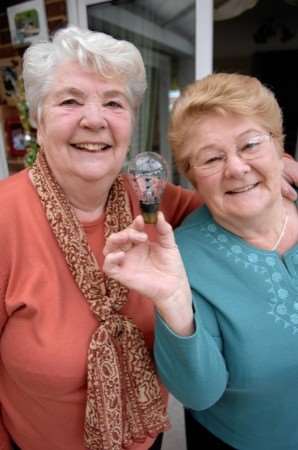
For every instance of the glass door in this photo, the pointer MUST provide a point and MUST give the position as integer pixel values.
(164, 32)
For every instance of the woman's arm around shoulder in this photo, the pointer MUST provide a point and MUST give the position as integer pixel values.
(177, 202)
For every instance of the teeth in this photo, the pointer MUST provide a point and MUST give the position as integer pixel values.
(244, 189)
(92, 147)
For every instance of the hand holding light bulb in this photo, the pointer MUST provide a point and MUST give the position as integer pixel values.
(148, 173)
(153, 268)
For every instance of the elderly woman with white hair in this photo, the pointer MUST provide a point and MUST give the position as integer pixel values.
(76, 370)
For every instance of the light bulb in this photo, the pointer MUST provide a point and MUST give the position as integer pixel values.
(148, 173)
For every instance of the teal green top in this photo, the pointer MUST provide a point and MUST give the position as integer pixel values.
(238, 372)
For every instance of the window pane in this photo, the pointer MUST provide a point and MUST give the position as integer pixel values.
(164, 33)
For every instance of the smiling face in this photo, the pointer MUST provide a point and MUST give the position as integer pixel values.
(85, 127)
(241, 190)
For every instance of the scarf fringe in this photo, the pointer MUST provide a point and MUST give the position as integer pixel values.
(141, 411)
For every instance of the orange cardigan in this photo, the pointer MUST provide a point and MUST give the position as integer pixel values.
(46, 323)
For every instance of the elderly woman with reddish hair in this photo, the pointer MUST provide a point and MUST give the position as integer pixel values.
(227, 332)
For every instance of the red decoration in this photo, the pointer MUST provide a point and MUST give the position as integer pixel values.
(15, 137)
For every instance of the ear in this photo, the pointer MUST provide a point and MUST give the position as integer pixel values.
(38, 136)
(40, 132)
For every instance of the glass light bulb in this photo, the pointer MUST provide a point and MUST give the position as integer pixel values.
(148, 173)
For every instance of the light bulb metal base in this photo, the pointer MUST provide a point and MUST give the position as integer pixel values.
(149, 212)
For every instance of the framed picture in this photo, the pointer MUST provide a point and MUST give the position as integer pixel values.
(15, 137)
(28, 22)
(10, 70)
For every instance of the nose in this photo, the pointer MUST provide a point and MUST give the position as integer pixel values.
(236, 167)
(93, 116)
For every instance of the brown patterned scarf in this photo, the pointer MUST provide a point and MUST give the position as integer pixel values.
(124, 404)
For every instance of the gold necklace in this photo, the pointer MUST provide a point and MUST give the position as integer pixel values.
(281, 235)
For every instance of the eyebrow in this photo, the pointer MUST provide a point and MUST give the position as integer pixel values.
(209, 147)
(114, 93)
(214, 146)
(250, 130)
(78, 92)
(69, 91)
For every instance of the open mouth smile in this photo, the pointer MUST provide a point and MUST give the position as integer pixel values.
(243, 189)
(91, 148)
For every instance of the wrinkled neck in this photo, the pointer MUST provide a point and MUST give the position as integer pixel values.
(264, 231)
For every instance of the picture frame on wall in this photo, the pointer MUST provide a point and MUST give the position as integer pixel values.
(28, 22)
(10, 71)
(15, 137)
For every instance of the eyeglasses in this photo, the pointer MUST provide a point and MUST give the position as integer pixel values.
(212, 160)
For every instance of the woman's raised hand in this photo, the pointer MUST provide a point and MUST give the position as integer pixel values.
(152, 268)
